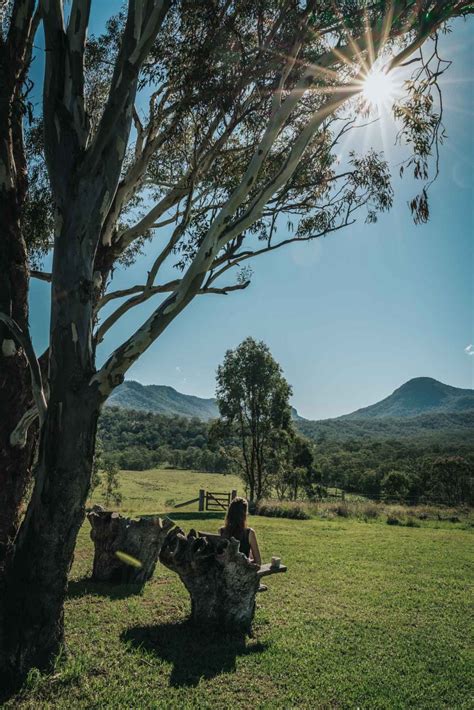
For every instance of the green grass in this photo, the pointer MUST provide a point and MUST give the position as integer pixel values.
(368, 616)
(158, 490)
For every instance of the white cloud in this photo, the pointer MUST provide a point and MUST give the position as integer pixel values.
(469, 350)
(177, 368)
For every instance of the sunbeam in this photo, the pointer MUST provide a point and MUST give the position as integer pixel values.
(379, 89)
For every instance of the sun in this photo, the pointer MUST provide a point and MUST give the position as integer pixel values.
(379, 89)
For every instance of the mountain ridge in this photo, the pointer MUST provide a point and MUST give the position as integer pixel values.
(164, 399)
(418, 396)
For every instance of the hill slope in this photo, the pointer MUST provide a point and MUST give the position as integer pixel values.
(421, 407)
(161, 399)
(422, 395)
(442, 428)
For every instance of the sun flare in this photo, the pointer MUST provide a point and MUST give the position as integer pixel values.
(379, 89)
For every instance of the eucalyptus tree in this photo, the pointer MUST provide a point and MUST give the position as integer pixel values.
(253, 400)
(211, 129)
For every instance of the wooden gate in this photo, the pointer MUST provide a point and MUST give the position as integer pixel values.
(217, 501)
(210, 501)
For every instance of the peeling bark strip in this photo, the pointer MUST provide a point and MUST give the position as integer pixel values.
(24, 341)
(221, 581)
(141, 539)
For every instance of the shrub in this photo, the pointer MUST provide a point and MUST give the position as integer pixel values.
(295, 512)
(342, 510)
(393, 520)
(412, 523)
(370, 512)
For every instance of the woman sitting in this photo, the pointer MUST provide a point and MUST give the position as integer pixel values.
(236, 526)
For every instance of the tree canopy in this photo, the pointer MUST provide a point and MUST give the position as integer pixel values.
(253, 400)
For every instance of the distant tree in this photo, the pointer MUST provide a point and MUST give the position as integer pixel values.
(110, 483)
(253, 400)
(451, 480)
(297, 472)
(396, 484)
(96, 466)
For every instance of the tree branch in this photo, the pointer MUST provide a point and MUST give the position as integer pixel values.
(41, 275)
(19, 39)
(143, 22)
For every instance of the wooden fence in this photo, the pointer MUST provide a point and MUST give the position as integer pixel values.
(210, 501)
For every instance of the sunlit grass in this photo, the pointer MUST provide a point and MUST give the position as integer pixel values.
(368, 615)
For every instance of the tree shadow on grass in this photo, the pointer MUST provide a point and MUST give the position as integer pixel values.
(194, 653)
(218, 515)
(86, 586)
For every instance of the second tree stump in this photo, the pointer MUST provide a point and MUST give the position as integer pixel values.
(139, 539)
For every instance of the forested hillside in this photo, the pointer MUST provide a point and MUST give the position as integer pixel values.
(141, 440)
(420, 395)
(447, 428)
(376, 460)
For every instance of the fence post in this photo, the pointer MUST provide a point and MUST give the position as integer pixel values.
(202, 495)
(233, 494)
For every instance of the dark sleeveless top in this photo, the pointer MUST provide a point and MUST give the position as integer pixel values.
(244, 540)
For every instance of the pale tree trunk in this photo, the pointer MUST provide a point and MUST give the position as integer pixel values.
(35, 577)
(36, 574)
(84, 175)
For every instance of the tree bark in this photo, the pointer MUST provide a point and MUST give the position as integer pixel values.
(15, 462)
(36, 572)
(140, 539)
(221, 581)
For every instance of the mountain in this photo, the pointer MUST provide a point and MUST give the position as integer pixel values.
(422, 408)
(161, 399)
(421, 395)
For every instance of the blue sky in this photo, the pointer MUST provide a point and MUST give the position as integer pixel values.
(350, 317)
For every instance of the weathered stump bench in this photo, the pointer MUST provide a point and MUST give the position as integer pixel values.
(221, 581)
(139, 539)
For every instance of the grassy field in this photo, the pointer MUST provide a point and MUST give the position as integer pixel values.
(368, 616)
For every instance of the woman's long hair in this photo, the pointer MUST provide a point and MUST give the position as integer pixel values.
(236, 518)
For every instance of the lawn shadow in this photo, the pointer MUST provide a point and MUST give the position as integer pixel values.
(86, 586)
(192, 515)
(194, 653)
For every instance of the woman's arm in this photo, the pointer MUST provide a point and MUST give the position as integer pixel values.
(254, 551)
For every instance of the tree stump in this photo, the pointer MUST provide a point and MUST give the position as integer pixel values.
(221, 581)
(140, 539)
